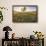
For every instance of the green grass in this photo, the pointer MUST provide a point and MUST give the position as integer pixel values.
(24, 17)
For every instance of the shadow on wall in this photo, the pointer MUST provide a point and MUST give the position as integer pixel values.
(1, 37)
(45, 42)
(0, 42)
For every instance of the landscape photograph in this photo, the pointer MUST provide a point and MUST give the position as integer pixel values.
(24, 13)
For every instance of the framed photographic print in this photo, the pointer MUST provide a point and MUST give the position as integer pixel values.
(24, 13)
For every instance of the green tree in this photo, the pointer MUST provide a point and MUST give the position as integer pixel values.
(23, 9)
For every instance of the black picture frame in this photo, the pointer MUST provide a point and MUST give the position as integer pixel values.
(25, 13)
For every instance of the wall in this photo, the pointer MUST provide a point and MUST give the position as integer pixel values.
(23, 29)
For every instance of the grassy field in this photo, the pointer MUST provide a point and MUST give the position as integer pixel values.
(24, 17)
